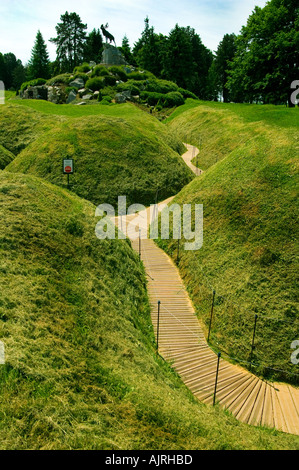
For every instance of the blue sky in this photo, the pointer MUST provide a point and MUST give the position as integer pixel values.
(21, 19)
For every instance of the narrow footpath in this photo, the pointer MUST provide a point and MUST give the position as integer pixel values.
(182, 343)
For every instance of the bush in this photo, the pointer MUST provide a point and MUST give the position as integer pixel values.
(160, 86)
(105, 102)
(63, 79)
(109, 80)
(95, 84)
(118, 72)
(140, 76)
(107, 98)
(35, 82)
(69, 89)
(174, 98)
(99, 71)
(187, 93)
(84, 68)
(128, 86)
(151, 98)
(109, 91)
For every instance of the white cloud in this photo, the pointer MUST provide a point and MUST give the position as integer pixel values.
(211, 19)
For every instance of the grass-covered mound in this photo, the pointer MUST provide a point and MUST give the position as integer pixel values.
(81, 370)
(20, 126)
(117, 151)
(104, 84)
(250, 254)
(5, 157)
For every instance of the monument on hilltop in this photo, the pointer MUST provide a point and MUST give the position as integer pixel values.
(111, 55)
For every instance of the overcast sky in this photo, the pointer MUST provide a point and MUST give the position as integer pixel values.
(21, 19)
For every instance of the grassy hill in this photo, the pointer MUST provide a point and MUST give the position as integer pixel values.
(81, 370)
(5, 157)
(249, 191)
(118, 150)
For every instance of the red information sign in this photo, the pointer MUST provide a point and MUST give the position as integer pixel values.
(68, 166)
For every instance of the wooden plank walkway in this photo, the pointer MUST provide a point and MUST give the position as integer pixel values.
(182, 342)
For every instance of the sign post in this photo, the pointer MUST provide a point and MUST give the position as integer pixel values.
(68, 169)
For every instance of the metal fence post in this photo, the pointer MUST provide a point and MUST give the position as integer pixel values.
(139, 243)
(216, 380)
(212, 310)
(158, 325)
(253, 338)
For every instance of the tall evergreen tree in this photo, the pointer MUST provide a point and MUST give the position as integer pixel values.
(125, 49)
(266, 60)
(93, 47)
(203, 59)
(70, 41)
(178, 62)
(12, 71)
(224, 55)
(39, 62)
(2, 68)
(187, 61)
(147, 50)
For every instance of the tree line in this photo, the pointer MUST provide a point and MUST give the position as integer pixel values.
(256, 66)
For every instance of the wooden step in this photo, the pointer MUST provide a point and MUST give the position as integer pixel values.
(182, 343)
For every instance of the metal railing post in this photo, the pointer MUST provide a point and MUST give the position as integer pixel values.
(216, 380)
(211, 317)
(158, 325)
(253, 338)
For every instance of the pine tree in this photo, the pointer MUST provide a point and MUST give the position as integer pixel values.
(93, 47)
(266, 59)
(147, 50)
(39, 62)
(70, 41)
(125, 49)
(224, 55)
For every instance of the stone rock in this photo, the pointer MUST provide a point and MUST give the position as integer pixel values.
(56, 95)
(87, 97)
(128, 70)
(72, 96)
(84, 91)
(127, 94)
(135, 98)
(36, 93)
(120, 98)
(77, 83)
(112, 56)
(81, 103)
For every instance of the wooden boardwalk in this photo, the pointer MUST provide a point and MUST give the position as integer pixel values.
(181, 342)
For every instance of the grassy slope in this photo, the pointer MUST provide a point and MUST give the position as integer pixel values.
(5, 157)
(250, 197)
(81, 371)
(113, 146)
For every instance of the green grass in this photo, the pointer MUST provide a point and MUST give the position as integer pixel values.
(5, 157)
(250, 254)
(81, 370)
(118, 150)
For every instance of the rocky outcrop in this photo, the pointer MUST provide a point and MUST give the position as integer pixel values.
(72, 96)
(112, 56)
(77, 83)
(54, 94)
(36, 93)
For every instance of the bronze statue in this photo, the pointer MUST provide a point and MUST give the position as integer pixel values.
(107, 34)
